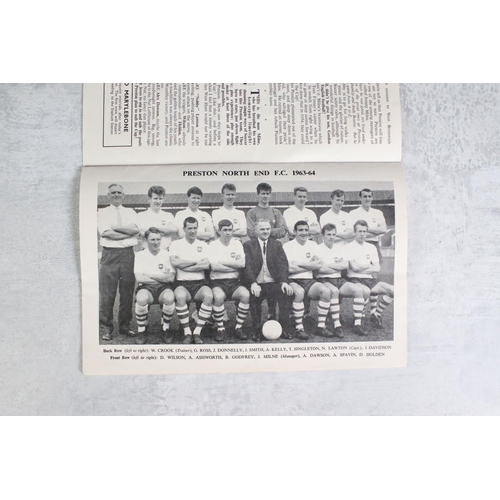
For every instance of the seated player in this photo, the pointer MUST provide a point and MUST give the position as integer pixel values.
(303, 261)
(189, 256)
(363, 262)
(155, 277)
(333, 263)
(227, 258)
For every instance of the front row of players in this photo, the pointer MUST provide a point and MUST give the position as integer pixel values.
(286, 275)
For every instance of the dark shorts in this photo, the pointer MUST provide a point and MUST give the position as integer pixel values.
(304, 283)
(336, 282)
(155, 290)
(369, 282)
(192, 287)
(227, 286)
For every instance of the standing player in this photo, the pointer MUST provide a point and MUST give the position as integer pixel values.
(263, 211)
(375, 218)
(189, 256)
(205, 226)
(227, 259)
(266, 276)
(303, 261)
(340, 219)
(237, 217)
(118, 229)
(154, 216)
(333, 263)
(300, 212)
(155, 276)
(363, 262)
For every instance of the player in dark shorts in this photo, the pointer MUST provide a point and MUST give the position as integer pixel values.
(303, 261)
(227, 259)
(189, 256)
(363, 262)
(333, 264)
(154, 275)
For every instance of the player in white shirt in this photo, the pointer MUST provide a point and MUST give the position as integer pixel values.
(334, 262)
(206, 230)
(375, 218)
(154, 216)
(300, 212)
(303, 261)
(155, 285)
(227, 258)
(228, 212)
(189, 256)
(363, 262)
(340, 219)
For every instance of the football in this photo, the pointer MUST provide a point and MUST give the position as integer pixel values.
(271, 330)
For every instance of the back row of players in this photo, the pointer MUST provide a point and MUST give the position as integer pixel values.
(172, 271)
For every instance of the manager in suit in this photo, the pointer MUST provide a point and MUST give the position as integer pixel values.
(266, 276)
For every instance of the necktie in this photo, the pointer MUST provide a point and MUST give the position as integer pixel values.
(264, 248)
(119, 217)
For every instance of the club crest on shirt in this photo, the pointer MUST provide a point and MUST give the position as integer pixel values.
(160, 266)
(233, 255)
(343, 222)
(163, 222)
(367, 256)
(235, 221)
(308, 255)
(203, 219)
(199, 249)
(374, 220)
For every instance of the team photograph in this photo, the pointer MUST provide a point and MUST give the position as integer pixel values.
(238, 261)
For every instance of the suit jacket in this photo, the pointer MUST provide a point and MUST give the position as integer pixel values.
(277, 262)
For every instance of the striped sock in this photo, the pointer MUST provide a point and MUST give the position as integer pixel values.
(298, 314)
(358, 306)
(373, 303)
(203, 315)
(323, 308)
(218, 314)
(141, 316)
(242, 313)
(385, 300)
(167, 313)
(183, 315)
(365, 304)
(335, 311)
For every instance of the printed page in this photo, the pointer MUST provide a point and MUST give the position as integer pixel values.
(174, 123)
(242, 267)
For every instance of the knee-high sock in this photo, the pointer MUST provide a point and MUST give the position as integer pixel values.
(298, 314)
(141, 316)
(218, 314)
(183, 315)
(358, 306)
(323, 308)
(335, 311)
(203, 314)
(385, 300)
(241, 314)
(373, 303)
(167, 312)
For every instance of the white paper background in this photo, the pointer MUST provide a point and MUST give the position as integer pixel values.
(451, 136)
